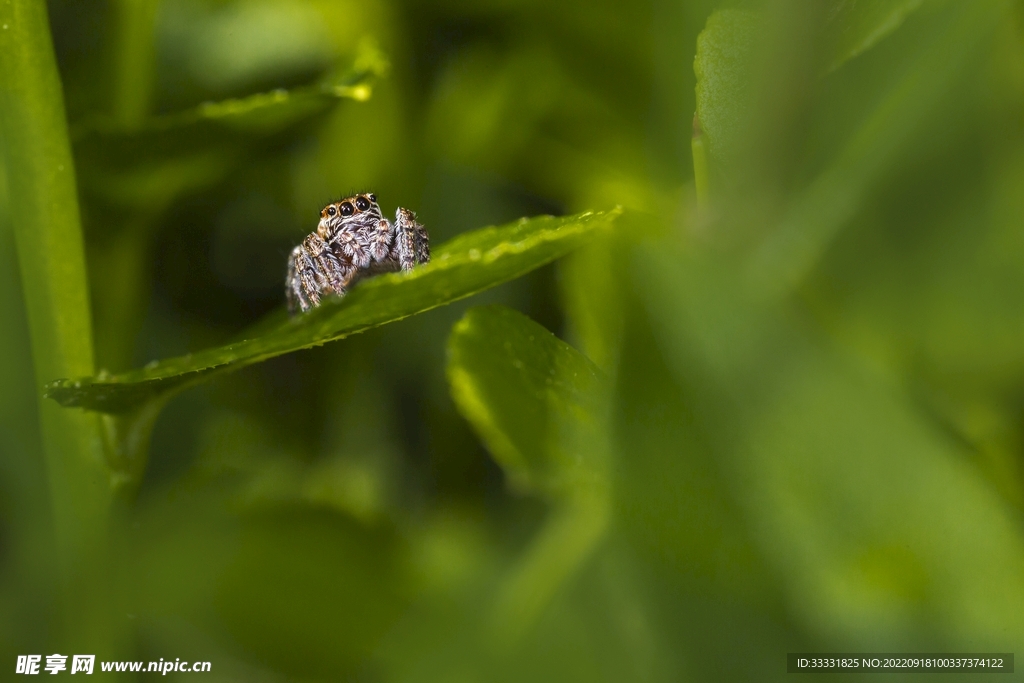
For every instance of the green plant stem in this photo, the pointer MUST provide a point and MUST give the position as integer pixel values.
(44, 211)
(123, 254)
(568, 538)
(133, 60)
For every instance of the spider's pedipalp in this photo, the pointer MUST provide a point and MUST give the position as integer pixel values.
(350, 248)
(380, 240)
(301, 285)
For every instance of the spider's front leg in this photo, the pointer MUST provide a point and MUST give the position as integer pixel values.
(411, 242)
(295, 283)
(313, 271)
(422, 245)
(380, 240)
(305, 281)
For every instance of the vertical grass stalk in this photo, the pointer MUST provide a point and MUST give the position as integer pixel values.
(44, 212)
(133, 60)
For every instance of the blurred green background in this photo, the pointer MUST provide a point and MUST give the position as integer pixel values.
(800, 425)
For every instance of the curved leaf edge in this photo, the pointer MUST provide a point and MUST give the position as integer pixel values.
(355, 83)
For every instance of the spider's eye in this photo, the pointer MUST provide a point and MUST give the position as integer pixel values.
(362, 204)
(331, 211)
(346, 209)
(373, 198)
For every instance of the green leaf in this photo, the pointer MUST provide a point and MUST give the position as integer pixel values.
(945, 49)
(540, 407)
(722, 66)
(464, 266)
(534, 400)
(151, 163)
(261, 113)
(676, 503)
(870, 512)
(725, 48)
(857, 25)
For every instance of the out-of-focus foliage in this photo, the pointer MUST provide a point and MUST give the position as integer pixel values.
(541, 408)
(785, 418)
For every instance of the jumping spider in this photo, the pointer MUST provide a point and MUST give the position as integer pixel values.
(353, 240)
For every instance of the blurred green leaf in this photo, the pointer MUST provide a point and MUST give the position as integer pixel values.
(260, 113)
(541, 408)
(875, 129)
(534, 400)
(678, 506)
(152, 163)
(722, 65)
(909, 534)
(726, 49)
(940, 53)
(865, 505)
(944, 312)
(332, 585)
(229, 46)
(468, 264)
(857, 25)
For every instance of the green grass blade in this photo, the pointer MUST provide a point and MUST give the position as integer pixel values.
(850, 489)
(943, 48)
(816, 215)
(466, 265)
(725, 49)
(43, 206)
